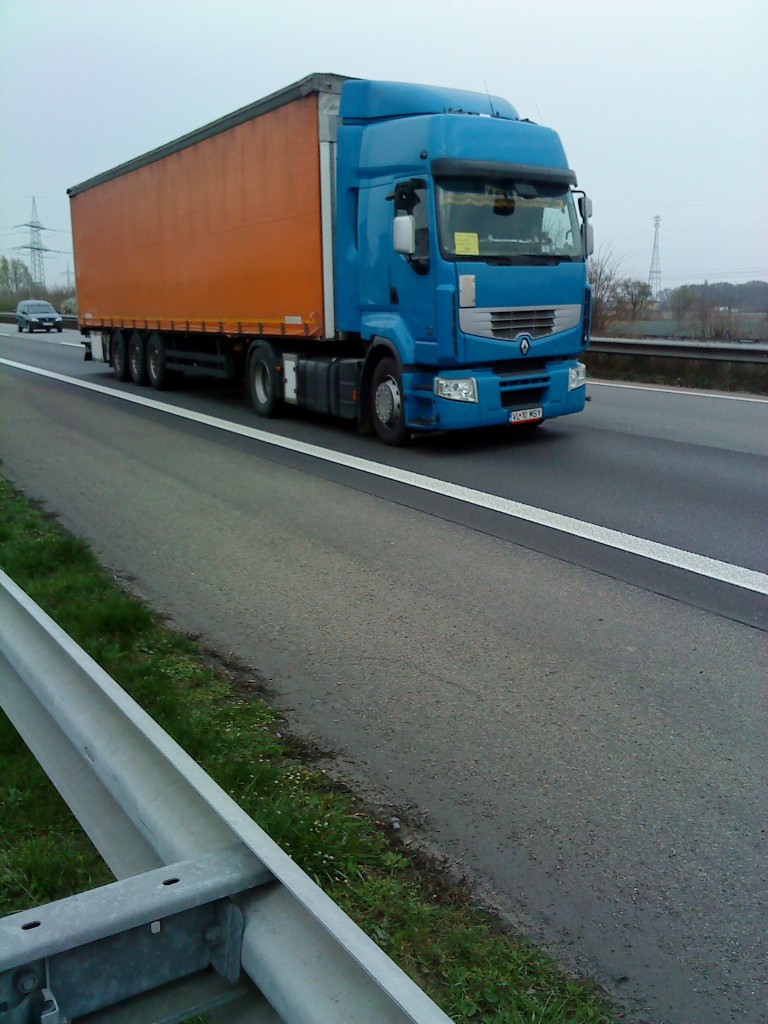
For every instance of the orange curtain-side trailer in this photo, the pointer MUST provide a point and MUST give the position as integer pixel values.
(221, 231)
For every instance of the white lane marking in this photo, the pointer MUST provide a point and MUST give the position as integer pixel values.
(46, 337)
(676, 391)
(738, 576)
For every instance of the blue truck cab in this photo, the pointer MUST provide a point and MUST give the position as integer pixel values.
(460, 259)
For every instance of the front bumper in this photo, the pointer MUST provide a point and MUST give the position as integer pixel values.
(42, 325)
(498, 395)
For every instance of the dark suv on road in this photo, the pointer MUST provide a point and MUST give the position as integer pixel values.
(36, 315)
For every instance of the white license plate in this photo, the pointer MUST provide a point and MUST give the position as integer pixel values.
(525, 415)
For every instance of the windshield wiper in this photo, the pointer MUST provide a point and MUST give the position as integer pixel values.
(548, 259)
(526, 259)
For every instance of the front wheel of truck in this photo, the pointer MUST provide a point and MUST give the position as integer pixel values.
(262, 382)
(387, 407)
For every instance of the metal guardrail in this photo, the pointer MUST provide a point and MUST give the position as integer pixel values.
(68, 321)
(202, 889)
(752, 352)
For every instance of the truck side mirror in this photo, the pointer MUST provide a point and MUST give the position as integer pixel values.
(404, 234)
(589, 239)
(585, 207)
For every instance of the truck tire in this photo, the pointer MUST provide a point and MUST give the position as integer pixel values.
(137, 359)
(119, 354)
(157, 370)
(387, 410)
(262, 382)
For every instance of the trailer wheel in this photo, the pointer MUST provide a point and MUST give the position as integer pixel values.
(262, 382)
(157, 370)
(120, 356)
(137, 359)
(387, 410)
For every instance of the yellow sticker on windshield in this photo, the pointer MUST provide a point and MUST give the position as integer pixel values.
(466, 243)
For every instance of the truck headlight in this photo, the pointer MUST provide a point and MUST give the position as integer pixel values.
(461, 389)
(577, 376)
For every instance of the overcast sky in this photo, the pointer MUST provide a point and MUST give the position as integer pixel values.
(662, 105)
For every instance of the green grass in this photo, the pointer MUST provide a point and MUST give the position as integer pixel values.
(720, 326)
(458, 953)
(685, 373)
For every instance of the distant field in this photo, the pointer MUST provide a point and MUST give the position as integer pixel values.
(722, 327)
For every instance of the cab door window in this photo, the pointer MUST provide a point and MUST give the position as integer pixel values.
(411, 197)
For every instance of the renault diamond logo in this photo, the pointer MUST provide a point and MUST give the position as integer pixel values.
(525, 344)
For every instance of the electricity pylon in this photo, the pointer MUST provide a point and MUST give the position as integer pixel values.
(36, 247)
(654, 277)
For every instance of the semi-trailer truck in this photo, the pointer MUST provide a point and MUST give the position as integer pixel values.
(409, 257)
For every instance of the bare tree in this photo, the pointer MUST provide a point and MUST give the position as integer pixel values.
(705, 309)
(15, 281)
(635, 293)
(682, 301)
(603, 274)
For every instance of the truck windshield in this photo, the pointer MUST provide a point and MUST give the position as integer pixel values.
(499, 221)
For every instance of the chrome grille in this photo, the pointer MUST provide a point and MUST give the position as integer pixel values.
(507, 324)
(511, 323)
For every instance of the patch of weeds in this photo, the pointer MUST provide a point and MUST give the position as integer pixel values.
(44, 855)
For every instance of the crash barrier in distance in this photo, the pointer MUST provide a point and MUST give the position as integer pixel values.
(755, 352)
(730, 365)
(752, 352)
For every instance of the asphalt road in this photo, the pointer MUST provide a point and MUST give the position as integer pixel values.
(577, 727)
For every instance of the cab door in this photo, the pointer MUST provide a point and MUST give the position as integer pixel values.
(412, 277)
